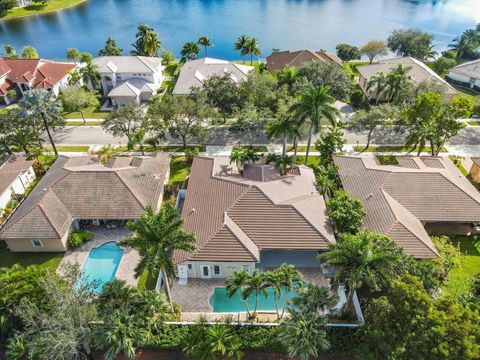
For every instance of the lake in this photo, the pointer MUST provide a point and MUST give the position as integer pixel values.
(284, 24)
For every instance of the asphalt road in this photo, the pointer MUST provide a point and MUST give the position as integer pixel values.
(94, 135)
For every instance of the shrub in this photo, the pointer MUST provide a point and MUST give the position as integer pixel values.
(79, 237)
(358, 99)
(190, 153)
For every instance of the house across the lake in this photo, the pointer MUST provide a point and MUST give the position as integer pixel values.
(281, 59)
(195, 72)
(466, 74)
(418, 71)
(16, 173)
(420, 196)
(259, 219)
(23, 3)
(20, 75)
(81, 191)
(129, 79)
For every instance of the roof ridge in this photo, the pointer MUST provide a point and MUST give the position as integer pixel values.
(300, 52)
(434, 250)
(46, 215)
(144, 62)
(129, 189)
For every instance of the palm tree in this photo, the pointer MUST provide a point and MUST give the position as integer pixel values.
(379, 83)
(253, 48)
(466, 43)
(29, 52)
(324, 183)
(285, 127)
(152, 44)
(239, 156)
(242, 44)
(274, 281)
(190, 50)
(312, 106)
(91, 75)
(397, 79)
(362, 260)
(314, 299)
(74, 77)
(238, 282)
(287, 76)
(73, 54)
(289, 278)
(40, 104)
(206, 42)
(25, 138)
(117, 295)
(256, 284)
(156, 237)
(10, 52)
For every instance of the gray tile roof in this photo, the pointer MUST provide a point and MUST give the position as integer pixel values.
(127, 64)
(279, 60)
(82, 188)
(419, 71)
(234, 218)
(132, 87)
(11, 169)
(470, 69)
(194, 73)
(398, 199)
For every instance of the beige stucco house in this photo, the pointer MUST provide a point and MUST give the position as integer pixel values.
(16, 174)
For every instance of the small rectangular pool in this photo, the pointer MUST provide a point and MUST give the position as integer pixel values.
(102, 264)
(221, 302)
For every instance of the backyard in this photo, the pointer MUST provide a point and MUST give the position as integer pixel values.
(37, 8)
(46, 260)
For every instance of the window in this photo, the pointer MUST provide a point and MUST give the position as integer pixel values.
(216, 269)
(37, 243)
(205, 271)
(189, 266)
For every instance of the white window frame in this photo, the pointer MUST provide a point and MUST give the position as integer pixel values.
(219, 270)
(34, 245)
(202, 273)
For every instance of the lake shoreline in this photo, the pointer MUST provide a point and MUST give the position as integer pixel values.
(78, 2)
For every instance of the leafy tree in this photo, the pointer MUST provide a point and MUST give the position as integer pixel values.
(168, 57)
(287, 77)
(156, 237)
(29, 52)
(190, 50)
(407, 323)
(348, 52)
(63, 331)
(450, 256)
(346, 214)
(90, 73)
(73, 55)
(242, 45)
(373, 49)
(110, 48)
(329, 144)
(126, 120)
(222, 93)
(411, 42)
(39, 104)
(183, 116)
(319, 74)
(369, 120)
(147, 42)
(312, 106)
(442, 65)
(260, 90)
(78, 100)
(206, 42)
(326, 180)
(6, 5)
(10, 52)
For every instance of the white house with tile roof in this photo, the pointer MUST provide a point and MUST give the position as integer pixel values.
(466, 74)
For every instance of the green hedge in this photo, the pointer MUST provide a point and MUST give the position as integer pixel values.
(78, 237)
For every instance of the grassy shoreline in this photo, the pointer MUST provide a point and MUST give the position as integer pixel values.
(31, 10)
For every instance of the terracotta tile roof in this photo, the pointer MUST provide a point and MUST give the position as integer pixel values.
(279, 60)
(4, 68)
(11, 169)
(6, 87)
(82, 188)
(22, 70)
(398, 199)
(50, 73)
(234, 218)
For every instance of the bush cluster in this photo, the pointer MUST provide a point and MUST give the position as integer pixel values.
(79, 237)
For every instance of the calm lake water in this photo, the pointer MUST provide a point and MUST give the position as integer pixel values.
(284, 24)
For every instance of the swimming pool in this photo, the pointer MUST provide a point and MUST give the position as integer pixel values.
(221, 302)
(102, 264)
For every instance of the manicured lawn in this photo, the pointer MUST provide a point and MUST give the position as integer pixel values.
(89, 113)
(465, 94)
(38, 9)
(396, 148)
(459, 278)
(67, 148)
(387, 159)
(313, 161)
(47, 260)
(81, 123)
(179, 170)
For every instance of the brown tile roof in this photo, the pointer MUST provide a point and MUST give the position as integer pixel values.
(4, 68)
(82, 188)
(11, 169)
(398, 199)
(279, 60)
(234, 218)
(22, 70)
(50, 73)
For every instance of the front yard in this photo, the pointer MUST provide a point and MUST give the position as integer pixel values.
(46, 260)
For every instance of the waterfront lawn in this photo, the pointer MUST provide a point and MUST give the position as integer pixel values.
(179, 170)
(46, 260)
(34, 9)
(458, 281)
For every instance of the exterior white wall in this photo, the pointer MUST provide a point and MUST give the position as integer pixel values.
(123, 100)
(464, 79)
(226, 268)
(18, 186)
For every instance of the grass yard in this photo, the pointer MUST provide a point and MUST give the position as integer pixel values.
(459, 278)
(465, 94)
(68, 148)
(179, 170)
(387, 159)
(81, 123)
(313, 161)
(35, 9)
(46, 260)
(89, 113)
(392, 148)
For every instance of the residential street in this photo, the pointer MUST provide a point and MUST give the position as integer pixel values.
(94, 135)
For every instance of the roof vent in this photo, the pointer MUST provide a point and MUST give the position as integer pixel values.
(369, 196)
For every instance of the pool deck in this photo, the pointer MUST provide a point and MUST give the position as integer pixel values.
(101, 236)
(194, 296)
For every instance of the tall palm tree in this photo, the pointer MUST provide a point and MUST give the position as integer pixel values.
(378, 82)
(25, 138)
(29, 52)
(91, 75)
(242, 45)
(152, 44)
(397, 79)
(289, 278)
(39, 104)
(311, 107)
(256, 284)
(206, 42)
(74, 77)
(466, 43)
(73, 54)
(10, 52)
(287, 76)
(156, 237)
(253, 48)
(237, 282)
(190, 50)
(363, 260)
(274, 281)
(285, 127)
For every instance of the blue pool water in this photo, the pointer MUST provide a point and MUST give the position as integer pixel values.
(102, 264)
(221, 302)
